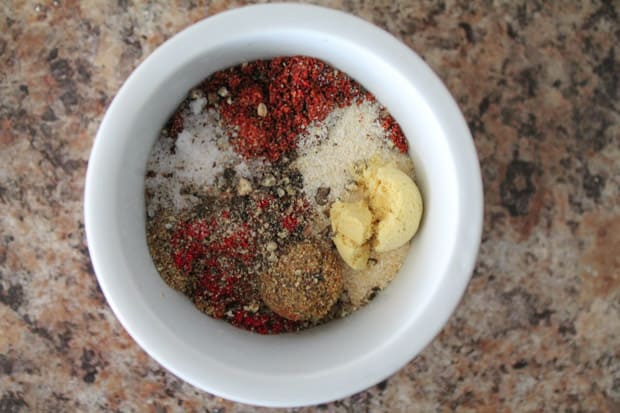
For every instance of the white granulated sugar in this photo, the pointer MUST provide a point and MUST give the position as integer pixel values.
(201, 153)
(328, 150)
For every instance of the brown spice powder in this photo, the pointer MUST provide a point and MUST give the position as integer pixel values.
(304, 284)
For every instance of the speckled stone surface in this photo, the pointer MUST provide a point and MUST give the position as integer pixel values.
(539, 326)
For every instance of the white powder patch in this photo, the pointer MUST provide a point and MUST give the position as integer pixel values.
(201, 152)
(360, 283)
(328, 150)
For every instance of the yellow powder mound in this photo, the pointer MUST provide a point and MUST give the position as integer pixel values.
(388, 216)
(352, 226)
(396, 204)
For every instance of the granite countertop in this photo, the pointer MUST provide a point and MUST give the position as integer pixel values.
(539, 326)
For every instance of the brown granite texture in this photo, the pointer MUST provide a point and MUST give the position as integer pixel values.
(539, 326)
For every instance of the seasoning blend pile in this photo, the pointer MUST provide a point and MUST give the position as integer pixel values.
(280, 196)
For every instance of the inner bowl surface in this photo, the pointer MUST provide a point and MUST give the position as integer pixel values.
(343, 356)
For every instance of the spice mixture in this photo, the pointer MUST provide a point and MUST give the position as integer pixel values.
(239, 187)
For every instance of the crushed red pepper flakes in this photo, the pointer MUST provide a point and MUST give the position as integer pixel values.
(289, 222)
(395, 133)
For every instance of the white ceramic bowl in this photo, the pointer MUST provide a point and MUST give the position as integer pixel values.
(344, 356)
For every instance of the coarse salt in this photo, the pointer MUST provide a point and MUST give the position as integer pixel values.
(197, 105)
(201, 152)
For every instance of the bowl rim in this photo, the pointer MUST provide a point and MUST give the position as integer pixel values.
(470, 221)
